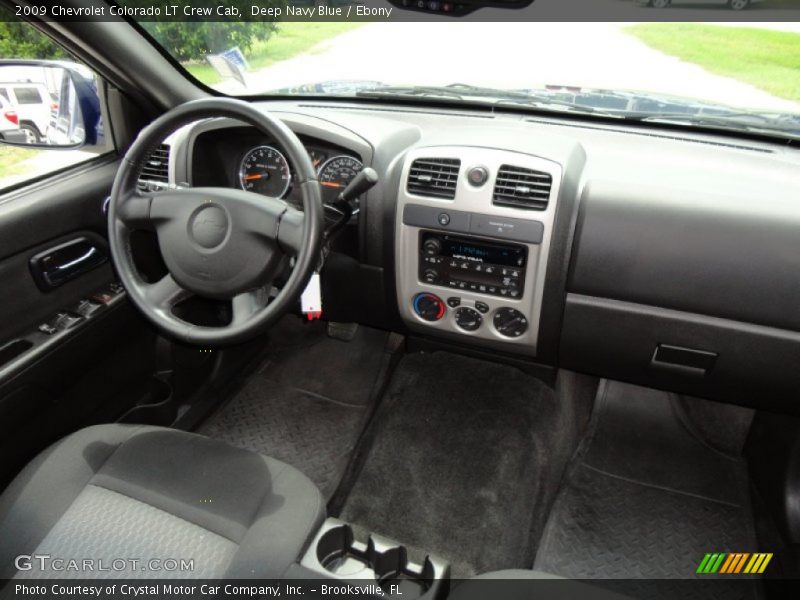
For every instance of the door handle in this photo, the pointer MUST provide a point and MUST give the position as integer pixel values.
(64, 262)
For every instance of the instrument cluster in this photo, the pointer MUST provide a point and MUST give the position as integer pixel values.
(264, 169)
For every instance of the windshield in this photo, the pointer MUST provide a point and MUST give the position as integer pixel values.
(724, 74)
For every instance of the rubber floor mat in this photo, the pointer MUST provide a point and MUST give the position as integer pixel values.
(458, 461)
(646, 498)
(308, 401)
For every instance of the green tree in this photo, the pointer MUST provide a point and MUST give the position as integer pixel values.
(22, 40)
(192, 40)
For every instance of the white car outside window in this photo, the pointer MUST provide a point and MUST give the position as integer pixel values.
(33, 104)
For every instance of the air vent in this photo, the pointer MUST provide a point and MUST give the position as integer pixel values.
(155, 171)
(435, 177)
(522, 188)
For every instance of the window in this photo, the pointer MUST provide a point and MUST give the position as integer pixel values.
(27, 95)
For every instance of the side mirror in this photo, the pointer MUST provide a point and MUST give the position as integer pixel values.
(48, 104)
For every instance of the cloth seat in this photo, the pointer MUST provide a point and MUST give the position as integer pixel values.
(140, 493)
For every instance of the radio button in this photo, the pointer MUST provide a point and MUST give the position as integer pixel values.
(431, 275)
(432, 246)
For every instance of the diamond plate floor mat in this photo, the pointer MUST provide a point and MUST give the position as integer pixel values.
(646, 498)
(308, 401)
(461, 454)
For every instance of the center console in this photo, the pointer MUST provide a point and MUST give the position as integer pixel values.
(471, 243)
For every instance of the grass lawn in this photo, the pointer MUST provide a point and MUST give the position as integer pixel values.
(12, 159)
(288, 41)
(766, 59)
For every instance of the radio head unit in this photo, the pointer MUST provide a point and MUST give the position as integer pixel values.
(465, 263)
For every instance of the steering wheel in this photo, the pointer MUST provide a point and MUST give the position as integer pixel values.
(217, 243)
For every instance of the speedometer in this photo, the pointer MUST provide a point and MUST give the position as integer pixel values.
(265, 170)
(337, 172)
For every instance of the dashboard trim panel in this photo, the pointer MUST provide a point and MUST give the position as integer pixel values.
(473, 200)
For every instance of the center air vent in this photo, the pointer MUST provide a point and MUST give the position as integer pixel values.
(435, 177)
(522, 188)
(155, 171)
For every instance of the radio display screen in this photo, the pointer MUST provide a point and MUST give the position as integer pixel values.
(495, 254)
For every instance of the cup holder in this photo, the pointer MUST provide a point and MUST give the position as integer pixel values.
(335, 552)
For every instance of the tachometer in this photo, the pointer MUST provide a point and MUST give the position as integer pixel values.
(265, 170)
(337, 172)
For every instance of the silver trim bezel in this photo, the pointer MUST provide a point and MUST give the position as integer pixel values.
(470, 199)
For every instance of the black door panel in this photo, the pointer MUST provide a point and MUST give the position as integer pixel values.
(93, 371)
(25, 305)
(66, 202)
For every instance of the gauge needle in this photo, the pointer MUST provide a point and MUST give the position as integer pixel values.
(331, 184)
(252, 177)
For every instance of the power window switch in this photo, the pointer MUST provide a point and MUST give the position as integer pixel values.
(86, 308)
(47, 328)
(102, 298)
(66, 320)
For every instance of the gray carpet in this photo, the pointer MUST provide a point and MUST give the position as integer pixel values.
(459, 461)
(308, 401)
(646, 497)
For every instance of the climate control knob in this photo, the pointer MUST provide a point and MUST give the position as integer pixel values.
(429, 306)
(510, 322)
(468, 318)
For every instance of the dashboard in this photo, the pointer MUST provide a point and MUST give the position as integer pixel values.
(659, 256)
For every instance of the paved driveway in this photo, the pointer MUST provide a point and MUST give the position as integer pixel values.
(506, 55)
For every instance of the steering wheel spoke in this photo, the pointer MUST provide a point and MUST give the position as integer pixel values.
(166, 293)
(248, 303)
(290, 231)
(134, 211)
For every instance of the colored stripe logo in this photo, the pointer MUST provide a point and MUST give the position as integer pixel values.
(734, 563)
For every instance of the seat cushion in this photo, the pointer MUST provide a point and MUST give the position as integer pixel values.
(138, 493)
